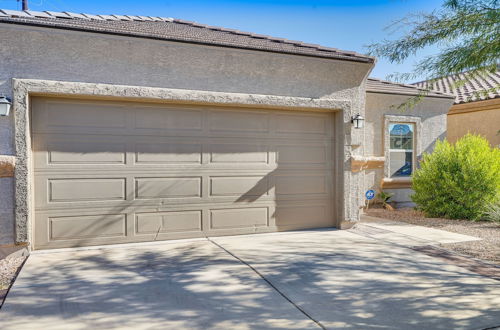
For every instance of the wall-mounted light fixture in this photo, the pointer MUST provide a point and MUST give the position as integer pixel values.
(358, 121)
(4, 106)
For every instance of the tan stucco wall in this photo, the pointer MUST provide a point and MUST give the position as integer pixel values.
(481, 117)
(58, 55)
(432, 114)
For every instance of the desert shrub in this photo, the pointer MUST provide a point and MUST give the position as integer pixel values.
(492, 212)
(458, 181)
(384, 199)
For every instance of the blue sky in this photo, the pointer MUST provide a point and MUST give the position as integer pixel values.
(344, 24)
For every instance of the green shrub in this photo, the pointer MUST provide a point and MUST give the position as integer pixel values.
(492, 212)
(458, 181)
(384, 197)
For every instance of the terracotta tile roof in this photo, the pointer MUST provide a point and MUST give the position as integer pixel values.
(374, 85)
(174, 30)
(467, 92)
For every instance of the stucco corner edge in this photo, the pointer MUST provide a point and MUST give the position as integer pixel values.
(21, 171)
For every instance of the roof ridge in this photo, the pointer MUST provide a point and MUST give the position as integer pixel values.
(392, 82)
(71, 15)
(403, 85)
(114, 17)
(378, 84)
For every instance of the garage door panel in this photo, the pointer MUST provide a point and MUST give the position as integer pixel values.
(239, 218)
(68, 191)
(59, 230)
(149, 119)
(301, 124)
(85, 153)
(313, 215)
(61, 150)
(161, 205)
(239, 186)
(168, 153)
(93, 153)
(73, 190)
(85, 116)
(232, 153)
(302, 184)
(238, 122)
(168, 222)
(78, 227)
(70, 117)
(292, 154)
(150, 188)
(168, 171)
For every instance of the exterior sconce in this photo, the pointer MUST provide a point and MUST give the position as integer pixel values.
(358, 121)
(4, 106)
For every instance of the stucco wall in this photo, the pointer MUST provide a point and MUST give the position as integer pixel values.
(87, 57)
(49, 54)
(432, 113)
(484, 122)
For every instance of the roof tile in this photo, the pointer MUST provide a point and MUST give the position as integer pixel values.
(471, 89)
(175, 30)
(145, 18)
(16, 13)
(58, 14)
(387, 87)
(122, 17)
(75, 15)
(134, 18)
(95, 17)
(108, 17)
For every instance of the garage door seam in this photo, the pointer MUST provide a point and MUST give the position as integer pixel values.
(268, 282)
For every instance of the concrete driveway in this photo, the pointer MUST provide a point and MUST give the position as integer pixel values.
(300, 280)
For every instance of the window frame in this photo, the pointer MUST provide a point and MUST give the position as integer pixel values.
(417, 126)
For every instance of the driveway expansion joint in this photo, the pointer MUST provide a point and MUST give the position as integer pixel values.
(269, 283)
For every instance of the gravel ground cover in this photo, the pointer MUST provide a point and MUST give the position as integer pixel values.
(9, 268)
(487, 249)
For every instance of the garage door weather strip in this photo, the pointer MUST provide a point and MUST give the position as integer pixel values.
(268, 282)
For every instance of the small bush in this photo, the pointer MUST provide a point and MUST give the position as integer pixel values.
(458, 181)
(492, 212)
(384, 197)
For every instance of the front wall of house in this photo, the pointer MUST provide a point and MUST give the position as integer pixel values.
(79, 56)
(431, 113)
(476, 120)
(50, 54)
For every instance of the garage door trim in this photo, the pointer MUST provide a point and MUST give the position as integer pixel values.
(23, 89)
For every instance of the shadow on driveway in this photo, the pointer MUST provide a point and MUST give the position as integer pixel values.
(340, 279)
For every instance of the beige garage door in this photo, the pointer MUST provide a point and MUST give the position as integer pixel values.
(110, 172)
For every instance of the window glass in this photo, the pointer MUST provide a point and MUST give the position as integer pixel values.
(401, 147)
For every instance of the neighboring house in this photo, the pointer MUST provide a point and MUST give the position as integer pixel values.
(477, 105)
(132, 129)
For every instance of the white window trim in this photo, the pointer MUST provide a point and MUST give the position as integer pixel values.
(417, 122)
